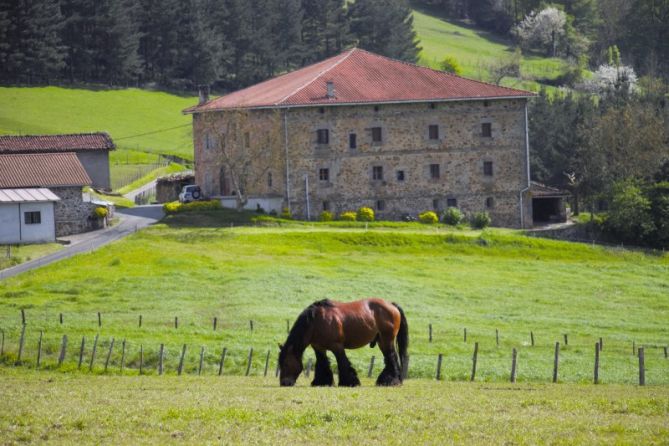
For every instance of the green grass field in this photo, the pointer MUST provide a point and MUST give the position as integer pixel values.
(450, 279)
(54, 408)
(137, 120)
(15, 254)
(476, 50)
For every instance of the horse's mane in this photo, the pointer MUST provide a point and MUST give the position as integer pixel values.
(301, 325)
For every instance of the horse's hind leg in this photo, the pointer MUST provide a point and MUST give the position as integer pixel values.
(392, 372)
(323, 373)
(348, 377)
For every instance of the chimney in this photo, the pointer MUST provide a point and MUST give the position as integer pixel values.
(331, 90)
(204, 94)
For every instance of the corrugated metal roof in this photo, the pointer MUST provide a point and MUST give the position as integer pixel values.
(27, 195)
(42, 170)
(55, 143)
(359, 77)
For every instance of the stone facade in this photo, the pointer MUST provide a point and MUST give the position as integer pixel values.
(408, 171)
(72, 214)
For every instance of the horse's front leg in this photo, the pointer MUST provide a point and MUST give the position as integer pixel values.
(323, 373)
(348, 377)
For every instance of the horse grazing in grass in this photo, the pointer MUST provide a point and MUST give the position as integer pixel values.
(336, 326)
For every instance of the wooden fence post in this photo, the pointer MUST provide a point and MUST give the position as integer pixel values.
(2, 343)
(556, 361)
(99, 319)
(514, 359)
(465, 331)
(109, 353)
(597, 348)
(220, 366)
(61, 318)
(181, 360)
(566, 341)
(601, 344)
(248, 365)
(160, 359)
(642, 368)
(215, 322)
(430, 332)
(122, 355)
(95, 348)
(63, 347)
(633, 348)
(23, 316)
(308, 368)
(371, 367)
(474, 358)
(497, 336)
(141, 359)
(439, 360)
(22, 340)
(140, 321)
(532, 338)
(39, 349)
(251, 325)
(665, 347)
(176, 321)
(266, 363)
(81, 351)
(199, 369)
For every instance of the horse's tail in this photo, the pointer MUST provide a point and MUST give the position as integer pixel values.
(403, 342)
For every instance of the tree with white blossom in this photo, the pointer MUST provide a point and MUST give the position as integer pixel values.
(543, 29)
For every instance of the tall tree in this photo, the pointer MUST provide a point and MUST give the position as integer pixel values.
(647, 37)
(325, 29)
(385, 27)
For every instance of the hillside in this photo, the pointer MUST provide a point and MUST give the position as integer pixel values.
(476, 50)
(137, 120)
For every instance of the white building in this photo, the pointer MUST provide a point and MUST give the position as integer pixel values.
(27, 216)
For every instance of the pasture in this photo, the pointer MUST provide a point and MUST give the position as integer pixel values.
(56, 408)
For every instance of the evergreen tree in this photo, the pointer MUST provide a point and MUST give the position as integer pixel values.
(647, 37)
(385, 27)
(325, 29)
(119, 45)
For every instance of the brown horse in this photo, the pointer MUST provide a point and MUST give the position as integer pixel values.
(336, 326)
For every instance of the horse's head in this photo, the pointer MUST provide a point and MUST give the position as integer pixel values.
(290, 365)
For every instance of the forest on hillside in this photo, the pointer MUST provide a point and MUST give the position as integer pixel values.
(180, 44)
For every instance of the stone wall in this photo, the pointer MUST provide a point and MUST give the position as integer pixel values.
(72, 214)
(460, 152)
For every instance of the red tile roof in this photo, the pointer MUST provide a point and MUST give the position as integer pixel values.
(55, 143)
(42, 170)
(359, 77)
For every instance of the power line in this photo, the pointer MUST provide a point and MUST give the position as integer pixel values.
(152, 132)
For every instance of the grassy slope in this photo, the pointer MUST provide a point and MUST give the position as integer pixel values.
(476, 50)
(52, 408)
(121, 113)
(171, 168)
(25, 253)
(451, 280)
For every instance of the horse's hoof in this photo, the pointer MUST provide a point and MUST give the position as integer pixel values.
(321, 384)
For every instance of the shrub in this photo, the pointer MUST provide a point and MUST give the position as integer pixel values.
(175, 207)
(347, 216)
(453, 216)
(451, 65)
(325, 216)
(285, 214)
(428, 218)
(480, 220)
(172, 207)
(365, 214)
(629, 218)
(100, 212)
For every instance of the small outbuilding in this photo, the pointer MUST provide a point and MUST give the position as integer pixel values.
(92, 150)
(549, 204)
(27, 216)
(169, 186)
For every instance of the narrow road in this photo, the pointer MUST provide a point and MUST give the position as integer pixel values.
(133, 193)
(131, 220)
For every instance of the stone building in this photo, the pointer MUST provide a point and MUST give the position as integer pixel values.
(92, 149)
(61, 178)
(360, 129)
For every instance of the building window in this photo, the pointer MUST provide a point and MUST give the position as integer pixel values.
(436, 204)
(452, 202)
(247, 140)
(487, 168)
(326, 206)
(489, 202)
(434, 132)
(377, 173)
(32, 218)
(208, 141)
(400, 175)
(380, 205)
(433, 105)
(486, 103)
(434, 171)
(269, 179)
(323, 136)
(376, 134)
(324, 174)
(321, 110)
(376, 108)
(486, 130)
(352, 141)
